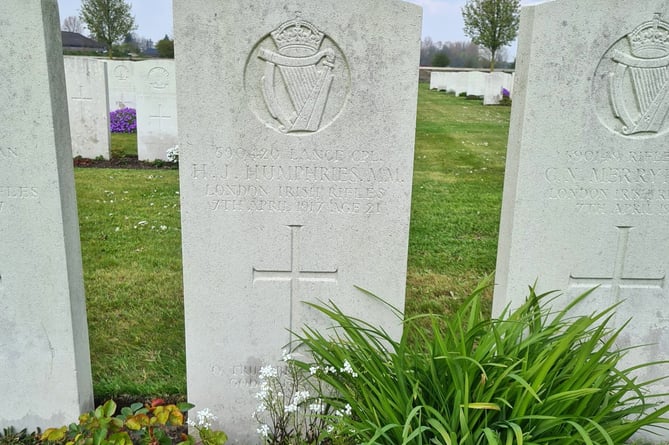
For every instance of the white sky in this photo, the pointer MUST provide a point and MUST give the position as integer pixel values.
(442, 19)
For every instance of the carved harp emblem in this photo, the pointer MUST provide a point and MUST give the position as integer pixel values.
(304, 70)
(644, 68)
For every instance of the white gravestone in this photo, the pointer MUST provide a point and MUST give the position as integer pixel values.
(296, 170)
(44, 356)
(457, 82)
(156, 108)
(586, 194)
(86, 80)
(494, 83)
(476, 83)
(121, 74)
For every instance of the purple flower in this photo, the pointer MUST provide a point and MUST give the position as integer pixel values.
(506, 93)
(123, 120)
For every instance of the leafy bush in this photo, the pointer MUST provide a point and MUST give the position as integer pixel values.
(123, 120)
(532, 377)
(137, 424)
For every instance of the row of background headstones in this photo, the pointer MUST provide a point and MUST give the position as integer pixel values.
(473, 83)
(96, 87)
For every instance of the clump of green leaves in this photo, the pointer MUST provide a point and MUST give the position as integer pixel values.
(532, 376)
(10, 436)
(137, 424)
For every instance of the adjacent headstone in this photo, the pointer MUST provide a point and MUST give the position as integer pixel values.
(494, 84)
(155, 88)
(438, 80)
(476, 83)
(296, 168)
(121, 75)
(86, 80)
(457, 83)
(44, 356)
(586, 194)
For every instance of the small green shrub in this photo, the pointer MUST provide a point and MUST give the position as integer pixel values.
(136, 424)
(532, 377)
(9, 436)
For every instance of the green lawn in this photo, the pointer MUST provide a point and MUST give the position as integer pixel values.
(131, 242)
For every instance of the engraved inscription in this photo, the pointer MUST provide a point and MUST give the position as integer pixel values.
(631, 84)
(611, 182)
(8, 152)
(303, 180)
(81, 99)
(159, 78)
(122, 73)
(294, 275)
(618, 280)
(10, 194)
(297, 78)
(160, 117)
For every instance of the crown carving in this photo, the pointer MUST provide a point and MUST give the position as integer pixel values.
(650, 40)
(298, 33)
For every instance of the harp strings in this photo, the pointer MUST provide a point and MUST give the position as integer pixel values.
(648, 82)
(300, 82)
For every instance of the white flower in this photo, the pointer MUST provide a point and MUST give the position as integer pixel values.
(267, 372)
(348, 369)
(300, 396)
(172, 154)
(261, 408)
(142, 223)
(290, 408)
(263, 430)
(163, 227)
(317, 408)
(286, 356)
(313, 370)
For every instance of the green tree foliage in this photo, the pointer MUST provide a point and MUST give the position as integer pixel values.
(109, 21)
(165, 48)
(491, 23)
(440, 59)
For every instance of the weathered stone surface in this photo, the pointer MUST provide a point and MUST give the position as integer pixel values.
(86, 80)
(121, 74)
(46, 377)
(586, 194)
(296, 169)
(157, 124)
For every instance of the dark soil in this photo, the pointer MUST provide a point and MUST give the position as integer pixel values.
(128, 162)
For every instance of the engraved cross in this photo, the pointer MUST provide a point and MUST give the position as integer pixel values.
(618, 280)
(295, 275)
(81, 99)
(160, 117)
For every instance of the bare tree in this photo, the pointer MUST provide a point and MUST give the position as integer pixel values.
(491, 23)
(73, 24)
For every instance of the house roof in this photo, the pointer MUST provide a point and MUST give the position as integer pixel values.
(76, 40)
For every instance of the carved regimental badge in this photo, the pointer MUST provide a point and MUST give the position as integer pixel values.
(636, 74)
(297, 78)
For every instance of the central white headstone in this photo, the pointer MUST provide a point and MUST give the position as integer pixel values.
(297, 124)
(586, 193)
(45, 374)
(157, 123)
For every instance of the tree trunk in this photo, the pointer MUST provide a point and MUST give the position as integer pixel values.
(492, 61)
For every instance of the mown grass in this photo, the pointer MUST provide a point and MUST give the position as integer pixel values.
(124, 145)
(131, 247)
(133, 269)
(457, 191)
